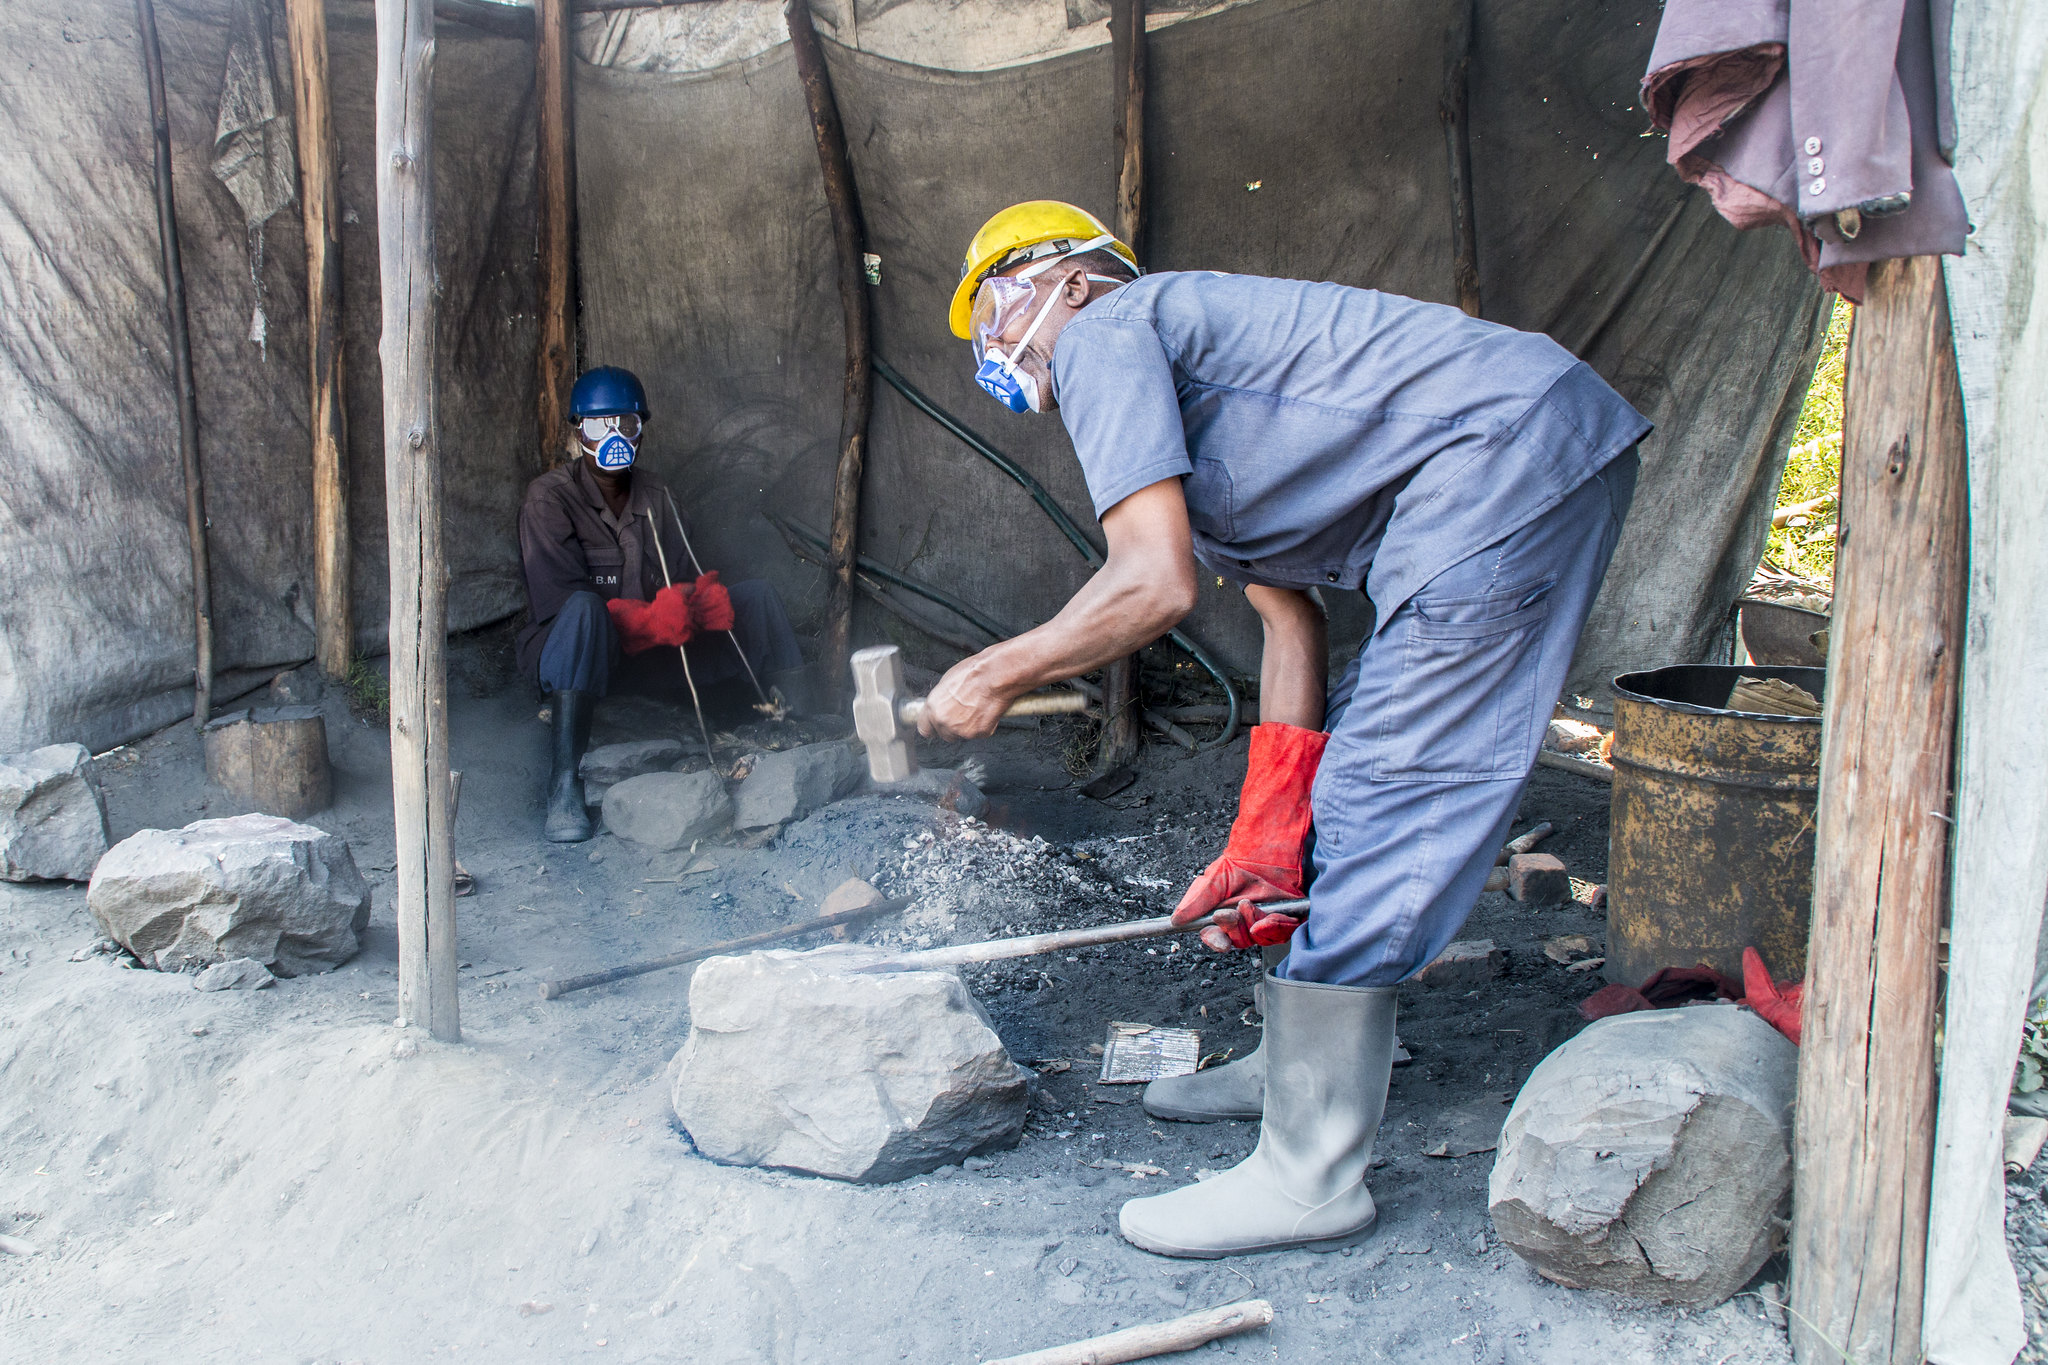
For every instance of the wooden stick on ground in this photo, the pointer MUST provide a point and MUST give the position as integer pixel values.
(1863, 1145)
(555, 990)
(176, 317)
(556, 174)
(420, 789)
(849, 240)
(1153, 1339)
(320, 207)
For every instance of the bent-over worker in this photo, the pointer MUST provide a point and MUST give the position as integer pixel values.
(1470, 479)
(593, 538)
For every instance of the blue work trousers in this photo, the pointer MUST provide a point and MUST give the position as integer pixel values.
(1433, 732)
(582, 649)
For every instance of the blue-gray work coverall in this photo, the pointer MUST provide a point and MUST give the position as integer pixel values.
(1469, 478)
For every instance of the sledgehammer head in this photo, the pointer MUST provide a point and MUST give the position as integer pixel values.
(878, 697)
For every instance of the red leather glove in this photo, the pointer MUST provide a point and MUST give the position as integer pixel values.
(1244, 925)
(1779, 1007)
(644, 625)
(710, 604)
(1262, 861)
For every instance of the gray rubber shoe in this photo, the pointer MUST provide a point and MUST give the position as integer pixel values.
(1328, 1054)
(1235, 1090)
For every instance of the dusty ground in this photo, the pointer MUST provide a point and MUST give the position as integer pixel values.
(279, 1175)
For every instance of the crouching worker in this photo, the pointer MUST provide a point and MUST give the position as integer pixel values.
(1294, 437)
(598, 542)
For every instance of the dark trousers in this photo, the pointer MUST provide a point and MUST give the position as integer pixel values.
(582, 650)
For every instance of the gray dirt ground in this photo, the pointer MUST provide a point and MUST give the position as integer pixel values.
(282, 1175)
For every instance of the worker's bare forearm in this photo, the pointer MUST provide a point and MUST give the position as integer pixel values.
(1293, 669)
(1108, 619)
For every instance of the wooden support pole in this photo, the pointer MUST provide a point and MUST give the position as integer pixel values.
(320, 207)
(557, 177)
(179, 326)
(1863, 1142)
(1453, 111)
(420, 788)
(1121, 709)
(849, 241)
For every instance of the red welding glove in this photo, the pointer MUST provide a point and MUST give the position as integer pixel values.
(644, 625)
(1262, 861)
(710, 604)
(1778, 1006)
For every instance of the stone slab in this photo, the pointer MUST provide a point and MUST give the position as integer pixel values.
(53, 820)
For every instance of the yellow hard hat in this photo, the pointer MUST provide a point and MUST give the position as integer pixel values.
(1037, 222)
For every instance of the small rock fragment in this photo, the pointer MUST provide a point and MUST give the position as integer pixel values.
(238, 974)
(1538, 879)
(53, 821)
(668, 810)
(1468, 962)
(942, 786)
(405, 1047)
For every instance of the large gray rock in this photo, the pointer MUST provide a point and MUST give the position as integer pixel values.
(53, 822)
(791, 784)
(255, 886)
(794, 1061)
(1652, 1155)
(607, 765)
(668, 810)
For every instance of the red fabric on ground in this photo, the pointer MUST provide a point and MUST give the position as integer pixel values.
(1778, 1007)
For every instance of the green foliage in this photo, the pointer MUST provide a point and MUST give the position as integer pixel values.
(367, 689)
(2033, 1050)
(1814, 468)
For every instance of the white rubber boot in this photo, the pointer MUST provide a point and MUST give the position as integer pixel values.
(1328, 1053)
(1235, 1090)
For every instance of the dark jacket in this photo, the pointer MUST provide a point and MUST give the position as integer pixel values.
(570, 542)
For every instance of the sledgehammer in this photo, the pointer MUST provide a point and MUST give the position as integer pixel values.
(886, 719)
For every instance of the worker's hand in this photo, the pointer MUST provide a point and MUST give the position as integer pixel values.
(710, 604)
(1262, 862)
(645, 625)
(962, 706)
(1244, 925)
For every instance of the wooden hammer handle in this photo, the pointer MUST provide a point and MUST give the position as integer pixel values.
(1037, 704)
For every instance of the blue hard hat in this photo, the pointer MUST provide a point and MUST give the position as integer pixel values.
(607, 391)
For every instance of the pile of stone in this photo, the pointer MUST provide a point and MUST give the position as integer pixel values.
(53, 820)
(285, 896)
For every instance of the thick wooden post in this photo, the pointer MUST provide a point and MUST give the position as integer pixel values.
(1453, 111)
(179, 326)
(849, 241)
(1863, 1145)
(1121, 708)
(320, 207)
(557, 177)
(412, 489)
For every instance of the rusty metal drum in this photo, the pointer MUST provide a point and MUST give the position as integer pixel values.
(1710, 848)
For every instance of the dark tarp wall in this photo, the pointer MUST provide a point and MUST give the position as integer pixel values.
(706, 264)
(95, 579)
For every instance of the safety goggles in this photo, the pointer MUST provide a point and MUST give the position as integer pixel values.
(1002, 299)
(595, 429)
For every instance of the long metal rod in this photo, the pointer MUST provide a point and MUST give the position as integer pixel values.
(555, 990)
(1031, 945)
(1047, 504)
(179, 323)
(682, 651)
(698, 566)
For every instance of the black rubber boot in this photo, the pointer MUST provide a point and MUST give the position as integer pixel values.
(568, 818)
